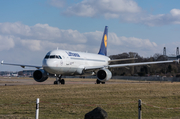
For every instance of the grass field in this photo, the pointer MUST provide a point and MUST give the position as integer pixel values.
(73, 101)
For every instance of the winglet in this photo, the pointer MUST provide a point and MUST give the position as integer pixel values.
(2, 62)
(178, 61)
(103, 48)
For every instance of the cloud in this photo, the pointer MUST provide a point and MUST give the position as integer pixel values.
(124, 10)
(131, 42)
(33, 45)
(41, 32)
(106, 8)
(176, 15)
(14, 28)
(121, 44)
(57, 3)
(42, 37)
(157, 20)
(6, 42)
(39, 37)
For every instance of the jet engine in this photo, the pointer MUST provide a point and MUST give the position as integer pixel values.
(40, 75)
(104, 75)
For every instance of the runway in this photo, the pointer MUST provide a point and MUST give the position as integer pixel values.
(12, 81)
(30, 81)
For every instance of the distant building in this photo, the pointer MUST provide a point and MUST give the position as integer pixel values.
(14, 74)
(8, 74)
(28, 73)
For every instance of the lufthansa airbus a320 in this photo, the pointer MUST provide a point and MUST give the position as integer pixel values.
(70, 63)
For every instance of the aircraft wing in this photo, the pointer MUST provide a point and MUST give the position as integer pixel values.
(23, 66)
(142, 63)
(129, 64)
(115, 60)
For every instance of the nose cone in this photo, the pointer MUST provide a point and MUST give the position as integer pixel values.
(50, 63)
(50, 66)
(46, 65)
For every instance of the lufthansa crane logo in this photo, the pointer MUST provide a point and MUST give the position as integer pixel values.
(105, 40)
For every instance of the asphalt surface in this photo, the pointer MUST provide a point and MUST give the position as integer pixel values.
(10, 81)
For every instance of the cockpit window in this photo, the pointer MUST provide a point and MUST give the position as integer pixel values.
(57, 57)
(46, 57)
(53, 57)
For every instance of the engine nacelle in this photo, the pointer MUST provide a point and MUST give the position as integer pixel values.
(104, 75)
(40, 75)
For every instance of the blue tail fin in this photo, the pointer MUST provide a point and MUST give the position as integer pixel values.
(103, 48)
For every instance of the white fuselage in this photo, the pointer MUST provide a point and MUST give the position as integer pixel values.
(63, 62)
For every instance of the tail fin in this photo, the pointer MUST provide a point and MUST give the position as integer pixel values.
(103, 48)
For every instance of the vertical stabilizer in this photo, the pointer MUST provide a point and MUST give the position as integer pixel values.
(103, 48)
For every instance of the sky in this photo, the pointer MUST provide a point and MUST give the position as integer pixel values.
(30, 28)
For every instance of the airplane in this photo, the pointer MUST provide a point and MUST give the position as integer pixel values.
(71, 63)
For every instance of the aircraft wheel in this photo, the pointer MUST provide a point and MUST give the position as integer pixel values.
(97, 81)
(103, 82)
(56, 82)
(62, 81)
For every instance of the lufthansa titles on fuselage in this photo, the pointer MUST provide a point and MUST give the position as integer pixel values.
(72, 54)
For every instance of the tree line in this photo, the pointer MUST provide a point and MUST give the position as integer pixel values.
(165, 69)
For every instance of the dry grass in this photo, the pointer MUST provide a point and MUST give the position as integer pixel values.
(74, 101)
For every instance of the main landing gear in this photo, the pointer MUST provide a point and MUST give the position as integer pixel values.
(98, 82)
(59, 80)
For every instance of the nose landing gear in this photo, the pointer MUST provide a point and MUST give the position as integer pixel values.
(59, 80)
(98, 82)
